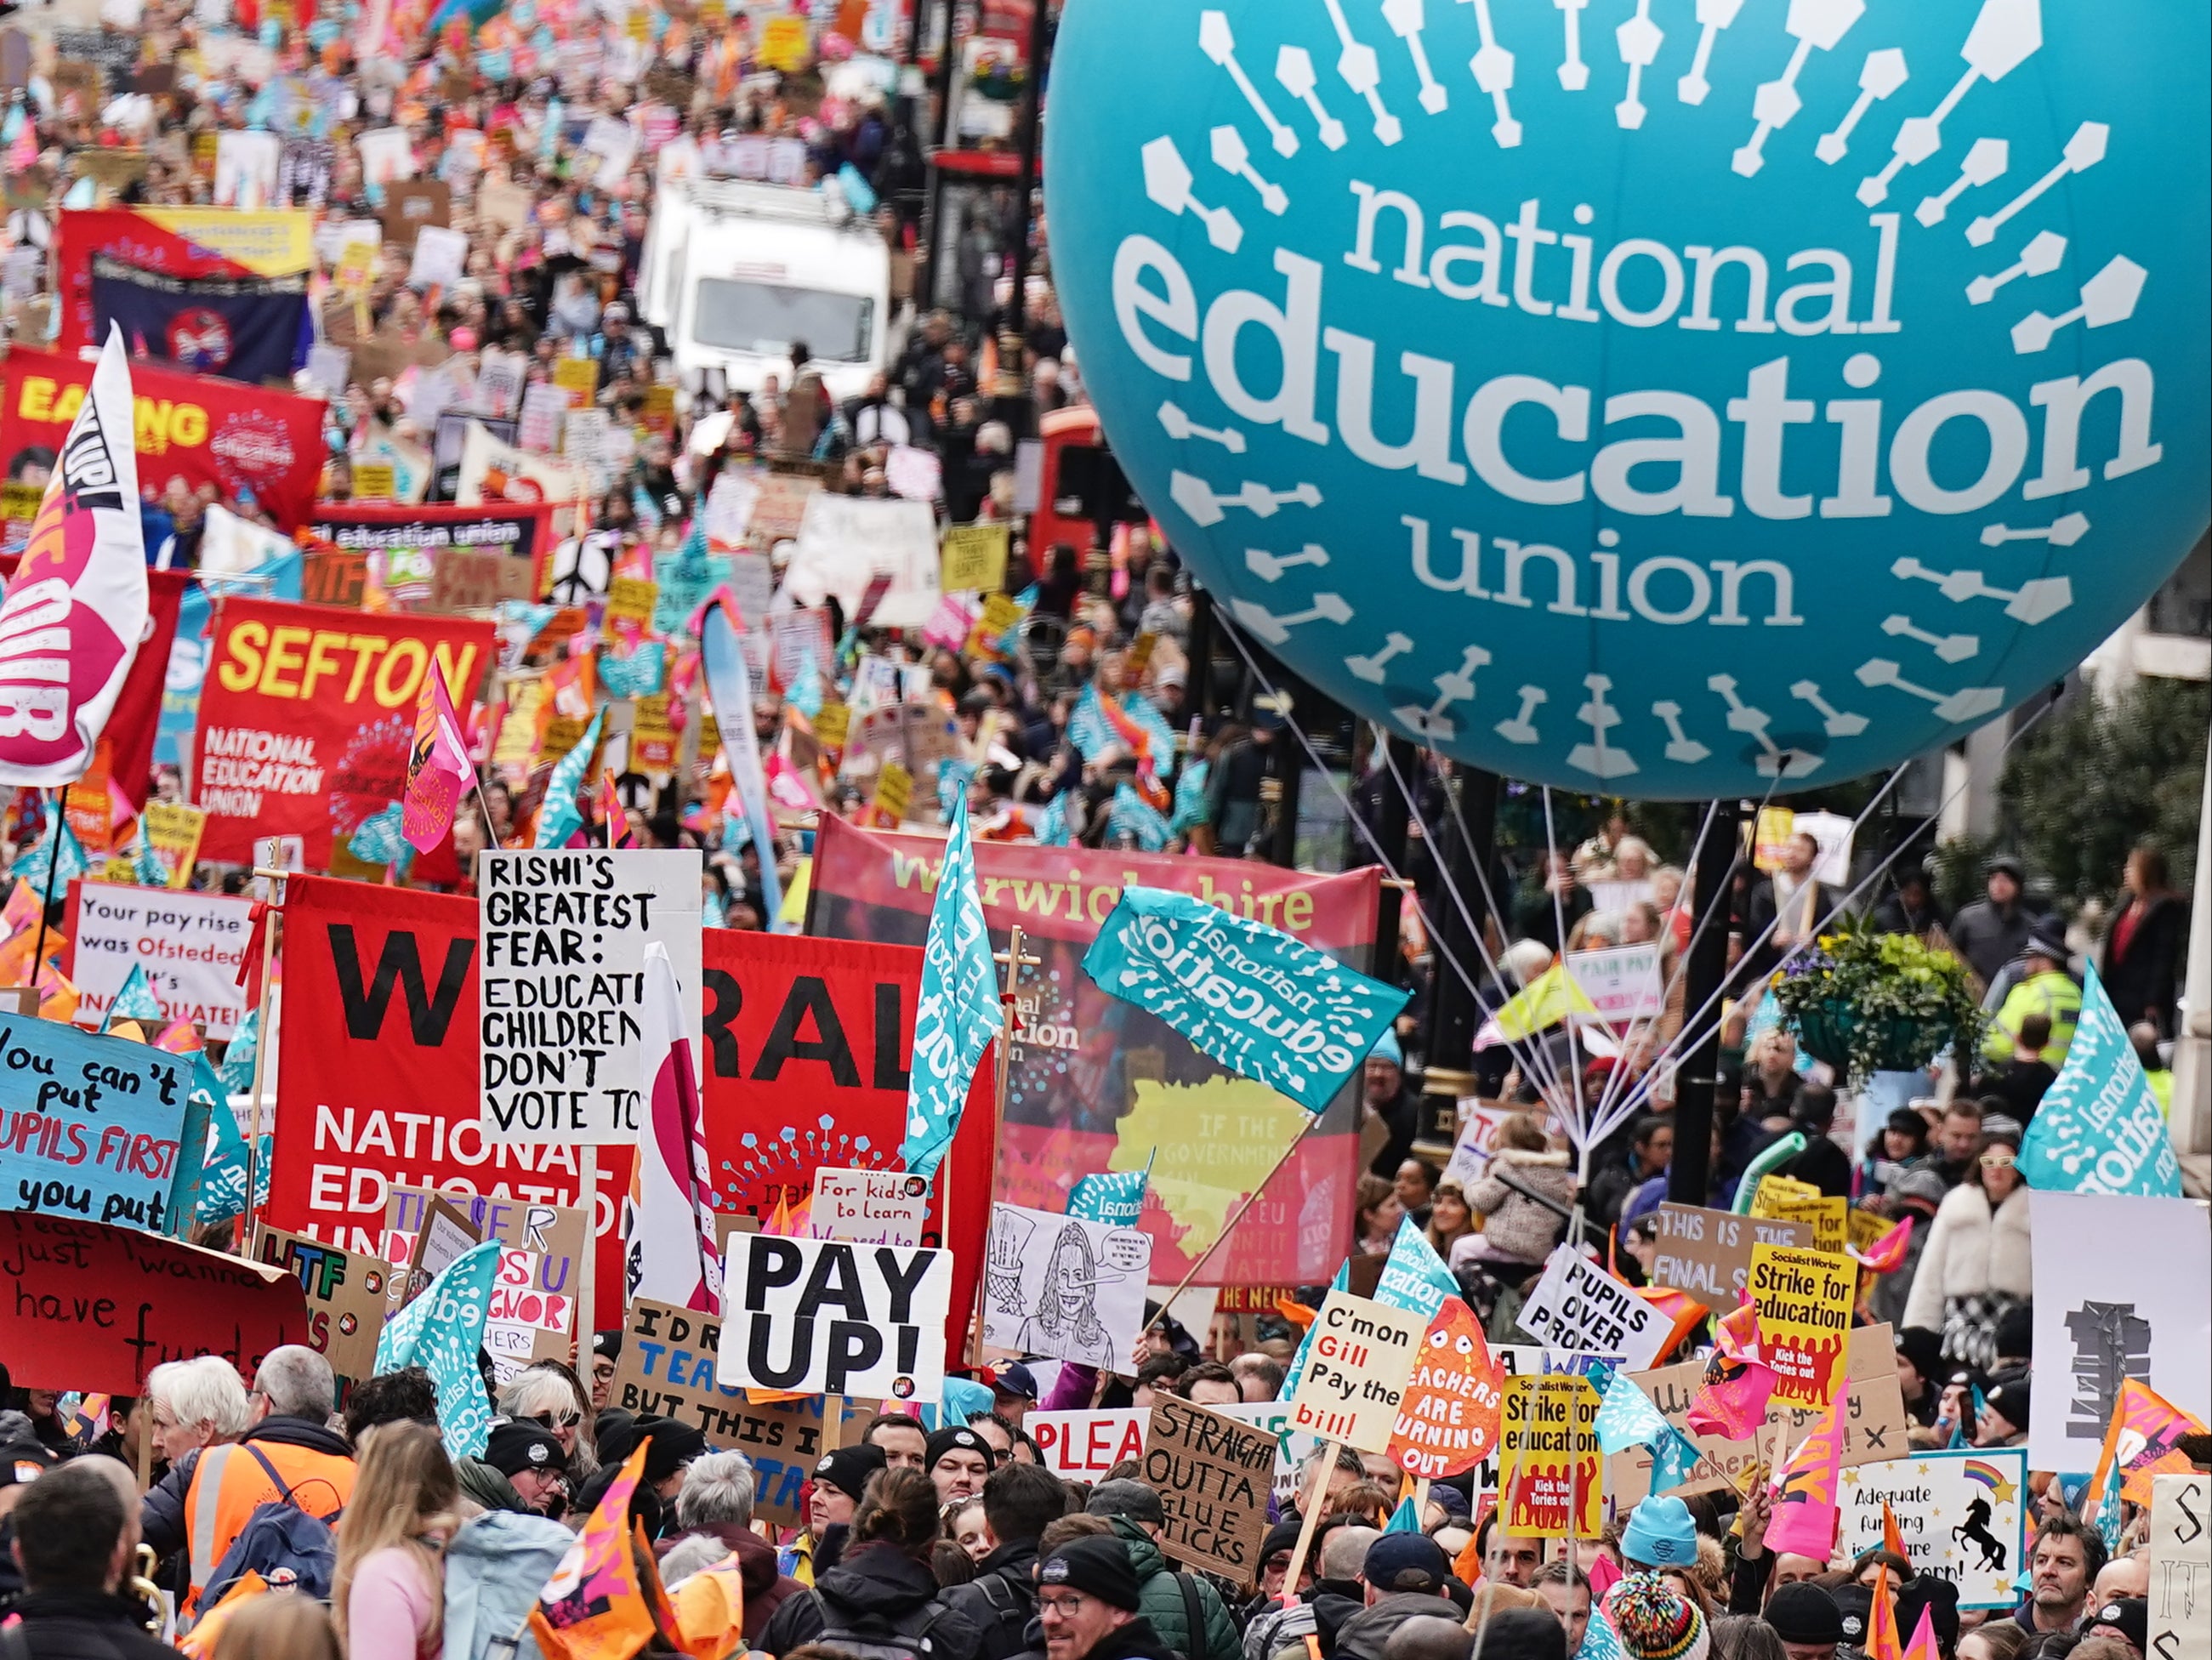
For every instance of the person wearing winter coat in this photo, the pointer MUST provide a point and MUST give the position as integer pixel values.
(881, 1591)
(1020, 1502)
(495, 1567)
(1516, 1230)
(716, 1502)
(1977, 1263)
(1167, 1597)
(1405, 1574)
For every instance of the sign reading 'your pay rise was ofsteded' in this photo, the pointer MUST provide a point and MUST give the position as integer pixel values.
(564, 935)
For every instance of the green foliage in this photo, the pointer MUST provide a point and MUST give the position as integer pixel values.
(1878, 982)
(2095, 779)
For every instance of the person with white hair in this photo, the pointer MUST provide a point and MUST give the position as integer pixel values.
(547, 1395)
(195, 1404)
(715, 1510)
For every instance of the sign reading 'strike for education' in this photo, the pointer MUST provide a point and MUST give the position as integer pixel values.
(563, 967)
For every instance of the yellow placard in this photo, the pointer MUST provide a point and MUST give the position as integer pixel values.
(638, 25)
(1865, 1227)
(19, 501)
(356, 267)
(631, 599)
(833, 722)
(173, 830)
(715, 14)
(1549, 1467)
(1804, 1300)
(579, 378)
(1140, 652)
(1770, 838)
(784, 45)
(894, 793)
(974, 558)
(659, 409)
(1801, 1202)
(375, 481)
(517, 743)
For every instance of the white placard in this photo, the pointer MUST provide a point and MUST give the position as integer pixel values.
(189, 944)
(1292, 1447)
(1082, 1446)
(1063, 1287)
(2180, 1567)
(1960, 1514)
(822, 1316)
(1355, 1374)
(869, 1206)
(562, 979)
(441, 257)
(846, 541)
(2123, 1289)
(1622, 980)
(1577, 1308)
(1477, 1140)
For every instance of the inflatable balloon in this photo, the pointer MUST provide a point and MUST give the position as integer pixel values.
(1670, 399)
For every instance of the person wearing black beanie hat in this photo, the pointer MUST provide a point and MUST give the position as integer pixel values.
(1087, 1601)
(1939, 1598)
(1920, 1372)
(958, 1460)
(1805, 1617)
(2004, 1411)
(669, 1446)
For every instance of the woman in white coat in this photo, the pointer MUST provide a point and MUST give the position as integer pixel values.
(1977, 1263)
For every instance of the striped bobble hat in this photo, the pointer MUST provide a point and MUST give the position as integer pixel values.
(1655, 1621)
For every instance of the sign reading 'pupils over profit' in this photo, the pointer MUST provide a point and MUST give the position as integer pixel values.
(1772, 391)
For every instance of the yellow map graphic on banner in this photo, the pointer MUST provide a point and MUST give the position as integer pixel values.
(1209, 1143)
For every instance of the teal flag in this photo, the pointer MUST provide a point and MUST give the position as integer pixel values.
(1626, 1418)
(2099, 1129)
(1414, 1278)
(1405, 1518)
(1129, 814)
(1342, 1282)
(136, 1000)
(957, 1015)
(1115, 1198)
(1674, 1460)
(32, 867)
(441, 1331)
(1266, 1006)
(560, 817)
(237, 1071)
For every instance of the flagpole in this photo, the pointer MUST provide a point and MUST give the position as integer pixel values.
(54, 800)
(1313, 1119)
(262, 1038)
(1009, 1021)
(588, 1271)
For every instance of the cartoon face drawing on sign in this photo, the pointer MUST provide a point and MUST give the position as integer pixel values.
(1066, 1321)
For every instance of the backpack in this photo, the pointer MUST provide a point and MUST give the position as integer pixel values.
(288, 1548)
(1007, 1633)
(872, 1637)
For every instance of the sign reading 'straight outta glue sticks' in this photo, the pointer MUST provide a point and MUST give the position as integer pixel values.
(1355, 1376)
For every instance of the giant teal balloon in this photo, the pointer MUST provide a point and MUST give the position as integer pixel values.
(1675, 397)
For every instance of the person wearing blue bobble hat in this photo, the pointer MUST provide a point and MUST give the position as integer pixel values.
(1390, 1103)
(1660, 1535)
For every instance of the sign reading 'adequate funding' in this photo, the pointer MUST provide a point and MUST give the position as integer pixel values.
(1961, 1516)
(823, 1316)
(563, 938)
(1355, 1374)
(1772, 396)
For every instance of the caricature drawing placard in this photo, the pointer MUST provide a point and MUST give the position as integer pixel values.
(1063, 1287)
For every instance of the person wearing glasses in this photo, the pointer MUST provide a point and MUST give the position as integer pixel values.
(1977, 1264)
(1087, 1601)
(548, 1397)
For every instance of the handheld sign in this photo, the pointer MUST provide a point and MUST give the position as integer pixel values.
(1213, 1476)
(1082, 1446)
(88, 1125)
(1355, 1376)
(823, 1316)
(1804, 1299)
(1707, 1253)
(1548, 1471)
(562, 986)
(1577, 1308)
(1960, 1514)
(346, 1294)
(869, 1206)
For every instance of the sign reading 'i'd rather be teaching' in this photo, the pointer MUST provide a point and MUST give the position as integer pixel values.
(1699, 401)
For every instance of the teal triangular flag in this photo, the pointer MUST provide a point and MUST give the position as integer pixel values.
(137, 1001)
(1674, 1459)
(441, 1331)
(1626, 1418)
(33, 866)
(2099, 1128)
(1342, 1282)
(1405, 1518)
(560, 817)
(237, 1072)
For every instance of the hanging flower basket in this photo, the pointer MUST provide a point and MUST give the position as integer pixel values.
(1876, 1002)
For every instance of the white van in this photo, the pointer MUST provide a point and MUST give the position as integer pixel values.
(734, 273)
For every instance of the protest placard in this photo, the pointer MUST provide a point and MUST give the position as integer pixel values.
(1549, 1463)
(1577, 1308)
(820, 1317)
(1804, 1299)
(1623, 982)
(564, 936)
(667, 1368)
(533, 1294)
(1082, 1446)
(1213, 1476)
(975, 556)
(1478, 1139)
(1063, 1287)
(1874, 1422)
(1355, 1376)
(1293, 1446)
(1449, 1419)
(1962, 1516)
(88, 1125)
(1823, 1214)
(2180, 1567)
(1707, 1253)
(189, 944)
(443, 1237)
(96, 1308)
(346, 1293)
(869, 1206)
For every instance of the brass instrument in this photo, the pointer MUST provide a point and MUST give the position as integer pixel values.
(140, 1588)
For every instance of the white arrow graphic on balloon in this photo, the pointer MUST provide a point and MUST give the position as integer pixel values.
(2005, 34)
(1882, 73)
(2108, 297)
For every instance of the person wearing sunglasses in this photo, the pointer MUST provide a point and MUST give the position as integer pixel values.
(1978, 1265)
(541, 1396)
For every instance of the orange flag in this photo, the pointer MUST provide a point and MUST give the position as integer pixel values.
(595, 1608)
(2145, 1437)
(1882, 1640)
(1893, 1539)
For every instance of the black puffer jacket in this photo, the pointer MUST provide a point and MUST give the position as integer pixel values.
(875, 1585)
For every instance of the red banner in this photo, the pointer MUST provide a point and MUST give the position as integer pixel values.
(307, 716)
(440, 557)
(95, 1307)
(138, 238)
(245, 441)
(1098, 1083)
(804, 1045)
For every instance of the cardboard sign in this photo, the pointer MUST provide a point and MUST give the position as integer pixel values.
(346, 1293)
(667, 1368)
(95, 1308)
(564, 937)
(1624, 982)
(88, 1125)
(189, 944)
(1355, 1376)
(1874, 1427)
(1063, 1287)
(975, 556)
(1824, 1215)
(336, 577)
(820, 1317)
(1707, 1253)
(1082, 1446)
(445, 1235)
(1577, 1308)
(1214, 1477)
(1962, 1517)
(1804, 1299)
(2180, 1567)
(533, 1294)
(869, 1206)
(1549, 1462)
(409, 204)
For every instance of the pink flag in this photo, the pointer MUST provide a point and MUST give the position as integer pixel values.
(1923, 1645)
(671, 1225)
(1805, 1494)
(438, 766)
(74, 612)
(1731, 1397)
